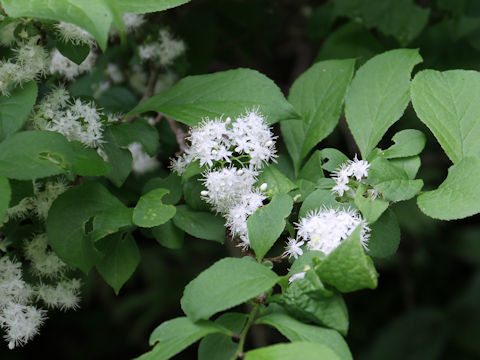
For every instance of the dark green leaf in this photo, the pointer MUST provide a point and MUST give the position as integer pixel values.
(168, 235)
(137, 131)
(75, 52)
(5, 196)
(200, 224)
(384, 236)
(120, 159)
(87, 162)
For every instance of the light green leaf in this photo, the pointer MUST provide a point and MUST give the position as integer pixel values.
(277, 182)
(87, 162)
(293, 351)
(14, 109)
(200, 224)
(168, 235)
(347, 268)
(146, 6)
(407, 143)
(175, 335)
(371, 209)
(317, 95)
(378, 96)
(120, 260)
(409, 164)
(266, 224)
(447, 103)
(150, 211)
(458, 196)
(312, 170)
(226, 93)
(384, 236)
(317, 200)
(295, 330)
(67, 223)
(35, 154)
(225, 284)
(5, 196)
(334, 158)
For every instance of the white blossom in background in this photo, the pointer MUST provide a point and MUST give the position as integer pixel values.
(300, 275)
(164, 51)
(142, 162)
(133, 21)
(76, 35)
(114, 72)
(355, 168)
(44, 262)
(64, 295)
(7, 33)
(325, 229)
(20, 323)
(66, 68)
(293, 248)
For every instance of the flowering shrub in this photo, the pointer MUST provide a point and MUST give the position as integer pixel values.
(249, 171)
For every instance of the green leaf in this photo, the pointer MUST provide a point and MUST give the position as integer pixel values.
(87, 162)
(75, 52)
(347, 268)
(407, 143)
(378, 96)
(175, 335)
(371, 209)
(117, 99)
(5, 196)
(168, 235)
(225, 284)
(409, 164)
(458, 196)
(293, 351)
(317, 95)
(120, 261)
(312, 170)
(277, 182)
(384, 236)
(146, 6)
(111, 221)
(67, 220)
(228, 93)
(120, 159)
(192, 189)
(137, 131)
(172, 182)
(150, 211)
(200, 224)
(266, 224)
(14, 109)
(295, 330)
(447, 103)
(317, 200)
(35, 154)
(334, 157)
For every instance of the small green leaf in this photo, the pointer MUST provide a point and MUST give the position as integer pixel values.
(120, 260)
(150, 211)
(14, 109)
(458, 196)
(407, 143)
(293, 351)
(277, 182)
(173, 336)
(371, 209)
(378, 96)
(120, 159)
(5, 196)
(312, 170)
(192, 189)
(172, 182)
(347, 268)
(266, 224)
(35, 154)
(168, 235)
(200, 224)
(87, 162)
(408, 164)
(334, 158)
(384, 236)
(75, 52)
(111, 221)
(137, 131)
(228, 93)
(225, 284)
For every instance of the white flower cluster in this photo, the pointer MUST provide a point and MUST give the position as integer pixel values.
(133, 21)
(142, 162)
(30, 61)
(353, 168)
(325, 229)
(75, 120)
(74, 34)
(19, 317)
(164, 51)
(234, 153)
(66, 68)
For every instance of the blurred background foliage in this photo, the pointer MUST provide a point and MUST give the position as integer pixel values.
(427, 305)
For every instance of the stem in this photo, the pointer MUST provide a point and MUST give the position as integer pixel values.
(243, 334)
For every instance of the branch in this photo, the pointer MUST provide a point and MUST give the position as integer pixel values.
(152, 80)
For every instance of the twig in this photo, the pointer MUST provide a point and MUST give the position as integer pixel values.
(152, 80)
(179, 133)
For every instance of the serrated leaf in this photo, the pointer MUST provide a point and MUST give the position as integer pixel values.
(121, 258)
(201, 224)
(225, 284)
(384, 236)
(447, 103)
(35, 154)
(228, 93)
(458, 196)
(348, 268)
(293, 351)
(266, 224)
(150, 211)
(378, 96)
(5, 196)
(317, 95)
(407, 143)
(177, 334)
(87, 162)
(15, 108)
(409, 164)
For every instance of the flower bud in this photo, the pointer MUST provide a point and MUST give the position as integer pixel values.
(240, 172)
(204, 193)
(263, 187)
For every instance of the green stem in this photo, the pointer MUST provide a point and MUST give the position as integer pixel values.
(243, 334)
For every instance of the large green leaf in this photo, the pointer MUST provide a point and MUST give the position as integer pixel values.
(447, 102)
(87, 162)
(120, 260)
(293, 351)
(5, 196)
(175, 335)
(14, 109)
(137, 131)
(384, 236)
(146, 6)
(169, 235)
(295, 330)
(228, 93)
(225, 284)
(266, 224)
(35, 154)
(408, 142)
(120, 159)
(458, 196)
(317, 95)
(378, 96)
(150, 211)
(277, 182)
(67, 223)
(201, 224)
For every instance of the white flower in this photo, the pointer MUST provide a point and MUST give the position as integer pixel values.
(133, 21)
(356, 168)
(359, 168)
(43, 261)
(66, 68)
(64, 295)
(74, 34)
(293, 248)
(21, 323)
(142, 162)
(340, 188)
(325, 229)
(165, 51)
(300, 275)
(12, 286)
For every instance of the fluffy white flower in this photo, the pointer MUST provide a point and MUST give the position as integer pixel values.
(325, 229)
(293, 248)
(114, 72)
(300, 275)
(74, 34)
(133, 21)
(164, 51)
(353, 168)
(142, 162)
(359, 168)
(12, 286)
(20, 322)
(32, 61)
(64, 295)
(66, 68)
(44, 262)
(7, 33)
